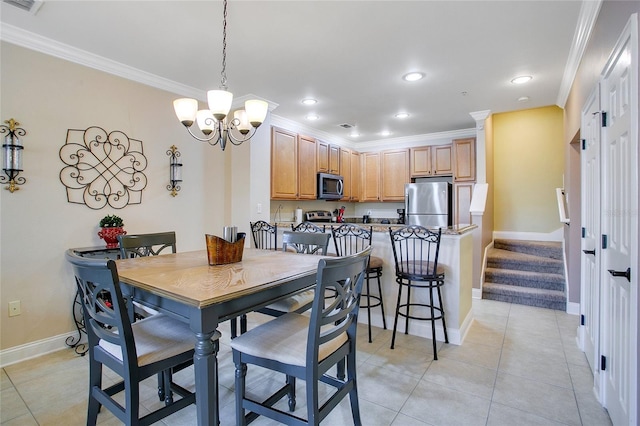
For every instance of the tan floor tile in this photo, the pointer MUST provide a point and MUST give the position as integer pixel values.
(548, 368)
(24, 420)
(384, 386)
(472, 353)
(12, 405)
(5, 382)
(461, 376)
(404, 420)
(501, 415)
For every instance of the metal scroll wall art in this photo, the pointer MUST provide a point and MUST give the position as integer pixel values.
(103, 168)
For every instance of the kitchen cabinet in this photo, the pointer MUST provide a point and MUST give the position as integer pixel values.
(464, 156)
(431, 161)
(350, 171)
(462, 193)
(293, 161)
(328, 158)
(394, 174)
(370, 176)
(356, 176)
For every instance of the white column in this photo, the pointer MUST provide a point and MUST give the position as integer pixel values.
(481, 149)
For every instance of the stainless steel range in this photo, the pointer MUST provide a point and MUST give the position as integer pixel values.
(318, 216)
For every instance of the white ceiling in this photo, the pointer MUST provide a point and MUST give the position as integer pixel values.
(349, 55)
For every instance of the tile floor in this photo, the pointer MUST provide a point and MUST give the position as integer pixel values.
(518, 366)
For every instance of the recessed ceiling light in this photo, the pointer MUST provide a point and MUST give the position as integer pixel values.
(523, 99)
(402, 115)
(522, 79)
(312, 117)
(413, 76)
(354, 134)
(309, 101)
(385, 133)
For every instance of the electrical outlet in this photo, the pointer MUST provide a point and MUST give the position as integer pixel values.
(14, 308)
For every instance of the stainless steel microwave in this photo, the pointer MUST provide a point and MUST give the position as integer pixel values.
(330, 187)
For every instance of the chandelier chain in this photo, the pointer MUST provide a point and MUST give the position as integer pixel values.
(223, 82)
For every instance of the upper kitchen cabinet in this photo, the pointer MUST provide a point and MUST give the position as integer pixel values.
(328, 158)
(431, 161)
(394, 174)
(356, 176)
(370, 176)
(350, 172)
(293, 161)
(464, 155)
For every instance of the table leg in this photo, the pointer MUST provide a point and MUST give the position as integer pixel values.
(205, 363)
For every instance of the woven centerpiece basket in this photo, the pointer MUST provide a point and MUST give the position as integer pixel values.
(221, 251)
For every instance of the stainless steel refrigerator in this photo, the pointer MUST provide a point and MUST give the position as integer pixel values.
(428, 204)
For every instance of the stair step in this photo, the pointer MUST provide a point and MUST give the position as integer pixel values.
(551, 299)
(530, 279)
(506, 259)
(550, 249)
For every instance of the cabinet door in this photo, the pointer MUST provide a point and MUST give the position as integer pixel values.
(345, 172)
(421, 161)
(462, 193)
(442, 164)
(284, 164)
(334, 159)
(307, 182)
(464, 156)
(394, 174)
(322, 153)
(370, 176)
(356, 176)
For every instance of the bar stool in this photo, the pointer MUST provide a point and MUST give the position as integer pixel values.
(415, 251)
(350, 239)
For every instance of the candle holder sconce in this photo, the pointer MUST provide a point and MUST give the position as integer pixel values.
(175, 171)
(12, 155)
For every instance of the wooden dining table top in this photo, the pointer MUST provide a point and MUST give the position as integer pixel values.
(187, 277)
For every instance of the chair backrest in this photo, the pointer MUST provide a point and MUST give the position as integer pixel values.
(265, 235)
(308, 227)
(329, 321)
(306, 242)
(350, 238)
(104, 309)
(142, 245)
(415, 251)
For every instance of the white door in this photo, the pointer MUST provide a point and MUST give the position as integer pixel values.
(619, 335)
(590, 129)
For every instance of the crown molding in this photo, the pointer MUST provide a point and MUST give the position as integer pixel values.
(586, 20)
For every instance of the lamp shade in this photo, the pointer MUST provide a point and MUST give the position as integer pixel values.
(185, 109)
(219, 103)
(256, 111)
(243, 126)
(206, 122)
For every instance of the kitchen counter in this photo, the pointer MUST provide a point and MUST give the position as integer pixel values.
(456, 255)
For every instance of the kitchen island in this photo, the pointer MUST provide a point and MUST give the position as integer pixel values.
(456, 253)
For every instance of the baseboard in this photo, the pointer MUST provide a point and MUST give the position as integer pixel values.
(573, 308)
(34, 349)
(476, 293)
(557, 235)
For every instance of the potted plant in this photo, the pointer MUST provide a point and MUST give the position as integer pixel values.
(111, 227)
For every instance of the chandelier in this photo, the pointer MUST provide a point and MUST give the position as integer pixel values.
(214, 124)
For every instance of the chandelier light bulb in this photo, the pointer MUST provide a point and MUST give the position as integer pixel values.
(186, 109)
(256, 111)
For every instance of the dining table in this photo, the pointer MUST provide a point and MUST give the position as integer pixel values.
(186, 287)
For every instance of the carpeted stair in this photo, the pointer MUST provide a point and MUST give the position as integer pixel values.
(526, 272)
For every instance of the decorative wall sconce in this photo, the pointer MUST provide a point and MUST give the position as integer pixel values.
(175, 171)
(12, 155)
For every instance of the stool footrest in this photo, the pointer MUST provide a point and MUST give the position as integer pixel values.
(406, 315)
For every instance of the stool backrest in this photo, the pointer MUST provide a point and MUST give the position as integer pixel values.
(350, 238)
(142, 245)
(415, 251)
(306, 242)
(265, 235)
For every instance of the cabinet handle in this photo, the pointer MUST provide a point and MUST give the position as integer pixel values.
(593, 252)
(626, 274)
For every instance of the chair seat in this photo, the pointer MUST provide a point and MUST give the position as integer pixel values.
(283, 339)
(293, 303)
(157, 338)
(375, 262)
(420, 268)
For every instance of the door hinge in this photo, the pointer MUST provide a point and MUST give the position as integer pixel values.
(604, 119)
(584, 144)
(581, 319)
(604, 241)
(603, 362)
(584, 232)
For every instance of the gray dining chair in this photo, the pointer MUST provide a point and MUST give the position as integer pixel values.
(306, 347)
(158, 344)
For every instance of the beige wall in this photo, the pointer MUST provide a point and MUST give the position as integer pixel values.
(528, 165)
(37, 224)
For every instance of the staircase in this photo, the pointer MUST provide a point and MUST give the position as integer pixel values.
(527, 273)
